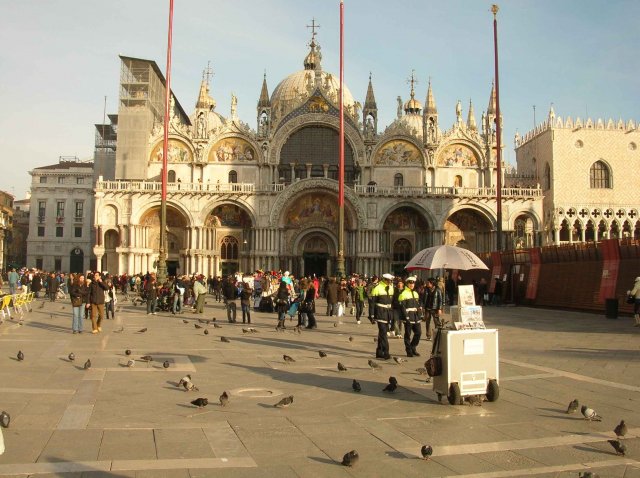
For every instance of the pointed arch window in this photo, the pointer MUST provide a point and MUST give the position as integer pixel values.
(546, 184)
(233, 177)
(600, 176)
(402, 251)
(229, 248)
(398, 180)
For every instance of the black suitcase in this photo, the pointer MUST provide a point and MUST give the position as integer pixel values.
(266, 304)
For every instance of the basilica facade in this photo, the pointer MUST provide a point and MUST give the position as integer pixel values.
(241, 199)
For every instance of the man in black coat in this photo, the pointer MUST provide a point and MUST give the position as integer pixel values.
(96, 299)
(230, 293)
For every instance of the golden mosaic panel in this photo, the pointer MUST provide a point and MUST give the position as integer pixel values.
(232, 149)
(457, 155)
(177, 152)
(397, 152)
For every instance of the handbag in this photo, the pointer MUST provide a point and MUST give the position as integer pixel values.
(631, 299)
(76, 301)
(434, 364)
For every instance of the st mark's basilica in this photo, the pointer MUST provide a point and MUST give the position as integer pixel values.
(240, 199)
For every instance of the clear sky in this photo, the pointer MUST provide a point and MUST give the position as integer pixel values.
(59, 59)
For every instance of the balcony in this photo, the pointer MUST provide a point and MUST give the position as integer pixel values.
(59, 219)
(78, 219)
(444, 191)
(190, 188)
(41, 219)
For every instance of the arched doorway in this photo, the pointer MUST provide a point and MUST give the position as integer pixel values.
(176, 237)
(315, 256)
(229, 255)
(226, 235)
(76, 260)
(470, 229)
(406, 232)
(110, 259)
(523, 232)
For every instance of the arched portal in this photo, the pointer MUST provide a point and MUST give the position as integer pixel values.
(76, 260)
(523, 232)
(176, 236)
(469, 229)
(316, 254)
(406, 231)
(226, 236)
(110, 258)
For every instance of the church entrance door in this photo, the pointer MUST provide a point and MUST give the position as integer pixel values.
(315, 263)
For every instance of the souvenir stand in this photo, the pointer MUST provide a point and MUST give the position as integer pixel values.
(468, 353)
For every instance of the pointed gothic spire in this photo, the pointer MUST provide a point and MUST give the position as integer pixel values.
(264, 101)
(491, 109)
(370, 100)
(552, 114)
(430, 106)
(471, 118)
(204, 99)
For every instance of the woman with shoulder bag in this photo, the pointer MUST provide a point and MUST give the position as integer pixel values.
(75, 292)
(310, 306)
(282, 303)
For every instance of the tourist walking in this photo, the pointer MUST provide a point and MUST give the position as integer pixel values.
(282, 303)
(151, 293)
(245, 302)
(635, 293)
(359, 295)
(96, 299)
(200, 292)
(14, 280)
(77, 301)
(331, 293)
(229, 293)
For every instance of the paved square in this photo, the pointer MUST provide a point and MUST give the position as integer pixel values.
(116, 421)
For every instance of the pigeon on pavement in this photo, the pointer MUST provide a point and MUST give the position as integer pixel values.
(224, 339)
(127, 352)
(421, 371)
(224, 399)
(341, 368)
(72, 357)
(391, 387)
(322, 354)
(356, 386)
(185, 321)
(204, 321)
(186, 378)
(166, 364)
(20, 356)
(426, 452)
(245, 331)
(142, 331)
(618, 446)
(197, 326)
(206, 331)
(374, 365)
(393, 380)
(5, 419)
(399, 360)
(350, 458)
(131, 363)
(288, 359)
(147, 358)
(573, 406)
(119, 330)
(621, 429)
(590, 414)
(200, 402)
(253, 330)
(350, 338)
(216, 326)
(285, 402)
(87, 364)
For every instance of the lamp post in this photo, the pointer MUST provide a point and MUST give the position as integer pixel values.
(162, 256)
(494, 10)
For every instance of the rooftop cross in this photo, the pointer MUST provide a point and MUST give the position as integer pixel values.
(207, 73)
(412, 81)
(313, 27)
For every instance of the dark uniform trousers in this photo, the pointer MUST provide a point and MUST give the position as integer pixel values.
(383, 319)
(412, 325)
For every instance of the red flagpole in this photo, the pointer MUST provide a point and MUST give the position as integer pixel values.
(340, 263)
(494, 10)
(162, 256)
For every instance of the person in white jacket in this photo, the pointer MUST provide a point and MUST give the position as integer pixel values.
(635, 293)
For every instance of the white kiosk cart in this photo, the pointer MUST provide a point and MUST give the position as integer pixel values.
(468, 353)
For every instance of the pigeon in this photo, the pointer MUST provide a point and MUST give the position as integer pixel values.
(335, 324)
(374, 365)
(165, 364)
(197, 326)
(590, 414)
(285, 402)
(253, 330)
(189, 386)
(356, 386)
(350, 458)
(426, 452)
(206, 331)
(5, 419)
(618, 446)
(224, 399)
(245, 331)
(200, 402)
(87, 364)
(588, 474)
(421, 371)
(322, 354)
(127, 352)
(185, 321)
(131, 363)
(350, 338)
(142, 331)
(341, 368)
(391, 387)
(183, 380)
(573, 406)
(621, 429)
(399, 360)
(288, 359)
(20, 356)
(216, 326)
(204, 321)
(119, 330)
(393, 380)
(224, 339)
(147, 358)
(71, 357)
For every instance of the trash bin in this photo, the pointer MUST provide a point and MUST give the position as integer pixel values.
(611, 308)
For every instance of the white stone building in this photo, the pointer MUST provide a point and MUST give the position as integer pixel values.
(243, 199)
(588, 173)
(61, 217)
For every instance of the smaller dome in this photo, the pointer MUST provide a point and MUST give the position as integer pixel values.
(412, 106)
(413, 122)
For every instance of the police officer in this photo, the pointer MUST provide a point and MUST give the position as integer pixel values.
(410, 309)
(382, 295)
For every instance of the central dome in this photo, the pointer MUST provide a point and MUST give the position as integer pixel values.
(297, 88)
